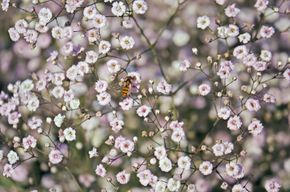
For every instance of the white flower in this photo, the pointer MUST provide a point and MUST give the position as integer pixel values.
(8, 170)
(113, 66)
(253, 105)
(101, 86)
(44, 16)
(204, 89)
(21, 26)
(233, 30)
(55, 156)
(232, 11)
(100, 170)
(5, 5)
(104, 47)
(74, 104)
(93, 152)
(91, 57)
(266, 55)
(33, 103)
(57, 32)
(203, 22)
(72, 73)
(13, 34)
(218, 149)
(93, 35)
(165, 164)
(173, 185)
(260, 66)
(127, 42)
(160, 152)
(234, 170)
(261, 5)
(90, 12)
(160, 186)
(30, 36)
(220, 2)
(118, 8)
(12, 157)
(140, 6)
(177, 135)
(244, 38)
(266, 32)
(184, 65)
(224, 113)
(255, 127)
(26, 86)
(116, 124)
(104, 98)
(272, 185)
(184, 162)
(69, 134)
(127, 103)
(57, 92)
(58, 120)
(143, 111)
(123, 177)
(127, 146)
(28, 142)
(238, 188)
(205, 168)
(145, 177)
(163, 87)
(222, 31)
(99, 21)
(240, 51)
(234, 123)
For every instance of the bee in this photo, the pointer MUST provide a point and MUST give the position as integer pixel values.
(127, 85)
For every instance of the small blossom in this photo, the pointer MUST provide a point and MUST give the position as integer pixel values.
(203, 22)
(69, 134)
(100, 170)
(165, 164)
(101, 86)
(55, 156)
(104, 98)
(118, 8)
(255, 127)
(143, 111)
(29, 142)
(204, 89)
(12, 157)
(266, 32)
(140, 6)
(272, 185)
(205, 168)
(8, 170)
(123, 177)
(173, 185)
(184, 162)
(127, 42)
(252, 105)
(234, 123)
(163, 87)
(232, 11)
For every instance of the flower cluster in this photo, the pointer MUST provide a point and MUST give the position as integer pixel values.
(125, 100)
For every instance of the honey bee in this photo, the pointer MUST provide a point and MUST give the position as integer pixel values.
(127, 84)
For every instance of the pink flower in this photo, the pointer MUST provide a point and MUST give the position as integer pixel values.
(100, 170)
(123, 177)
(234, 123)
(8, 170)
(143, 111)
(204, 89)
(28, 142)
(55, 156)
(232, 11)
(252, 105)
